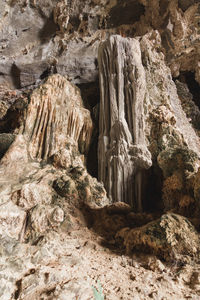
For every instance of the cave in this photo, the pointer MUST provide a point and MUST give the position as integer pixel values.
(90, 93)
(152, 190)
(99, 150)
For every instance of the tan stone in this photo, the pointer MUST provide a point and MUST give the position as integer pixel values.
(172, 236)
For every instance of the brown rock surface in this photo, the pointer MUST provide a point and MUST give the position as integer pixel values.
(171, 237)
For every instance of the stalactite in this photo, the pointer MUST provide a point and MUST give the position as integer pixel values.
(122, 149)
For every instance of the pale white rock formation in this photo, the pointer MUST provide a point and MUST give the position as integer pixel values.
(122, 150)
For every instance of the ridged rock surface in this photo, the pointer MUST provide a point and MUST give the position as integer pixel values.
(141, 116)
(56, 115)
(122, 146)
(56, 126)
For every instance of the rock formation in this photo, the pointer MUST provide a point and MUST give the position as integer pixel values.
(140, 113)
(54, 117)
(169, 237)
(56, 127)
(122, 146)
(133, 67)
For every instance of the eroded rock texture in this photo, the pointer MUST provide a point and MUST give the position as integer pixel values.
(43, 36)
(149, 148)
(43, 185)
(122, 147)
(173, 142)
(55, 116)
(141, 116)
(56, 127)
(171, 237)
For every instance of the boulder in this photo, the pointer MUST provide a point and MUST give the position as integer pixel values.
(171, 237)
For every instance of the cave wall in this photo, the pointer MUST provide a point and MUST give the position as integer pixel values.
(63, 36)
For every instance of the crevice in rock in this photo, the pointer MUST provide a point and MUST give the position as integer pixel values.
(185, 4)
(49, 71)
(125, 12)
(194, 87)
(152, 193)
(19, 288)
(48, 30)
(14, 116)
(90, 93)
(5, 141)
(188, 92)
(163, 6)
(15, 75)
(92, 157)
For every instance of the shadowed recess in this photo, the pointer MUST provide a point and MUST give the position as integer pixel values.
(125, 12)
(48, 30)
(90, 93)
(194, 87)
(15, 75)
(185, 4)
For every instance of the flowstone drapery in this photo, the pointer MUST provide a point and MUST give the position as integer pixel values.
(54, 117)
(122, 149)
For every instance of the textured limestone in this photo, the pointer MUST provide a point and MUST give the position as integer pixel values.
(140, 111)
(173, 142)
(172, 236)
(12, 220)
(122, 147)
(65, 35)
(43, 179)
(41, 34)
(55, 128)
(54, 116)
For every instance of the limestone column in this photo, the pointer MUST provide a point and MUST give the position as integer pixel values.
(122, 151)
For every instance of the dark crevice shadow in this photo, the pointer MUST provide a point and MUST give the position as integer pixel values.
(185, 4)
(193, 86)
(48, 72)
(188, 78)
(48, 31)
(152, 189)
(125, 12)
(109, 220)
(15, 75)
(90, 94)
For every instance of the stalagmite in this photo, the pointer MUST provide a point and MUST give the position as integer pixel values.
(122, 148)
(56, 116)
